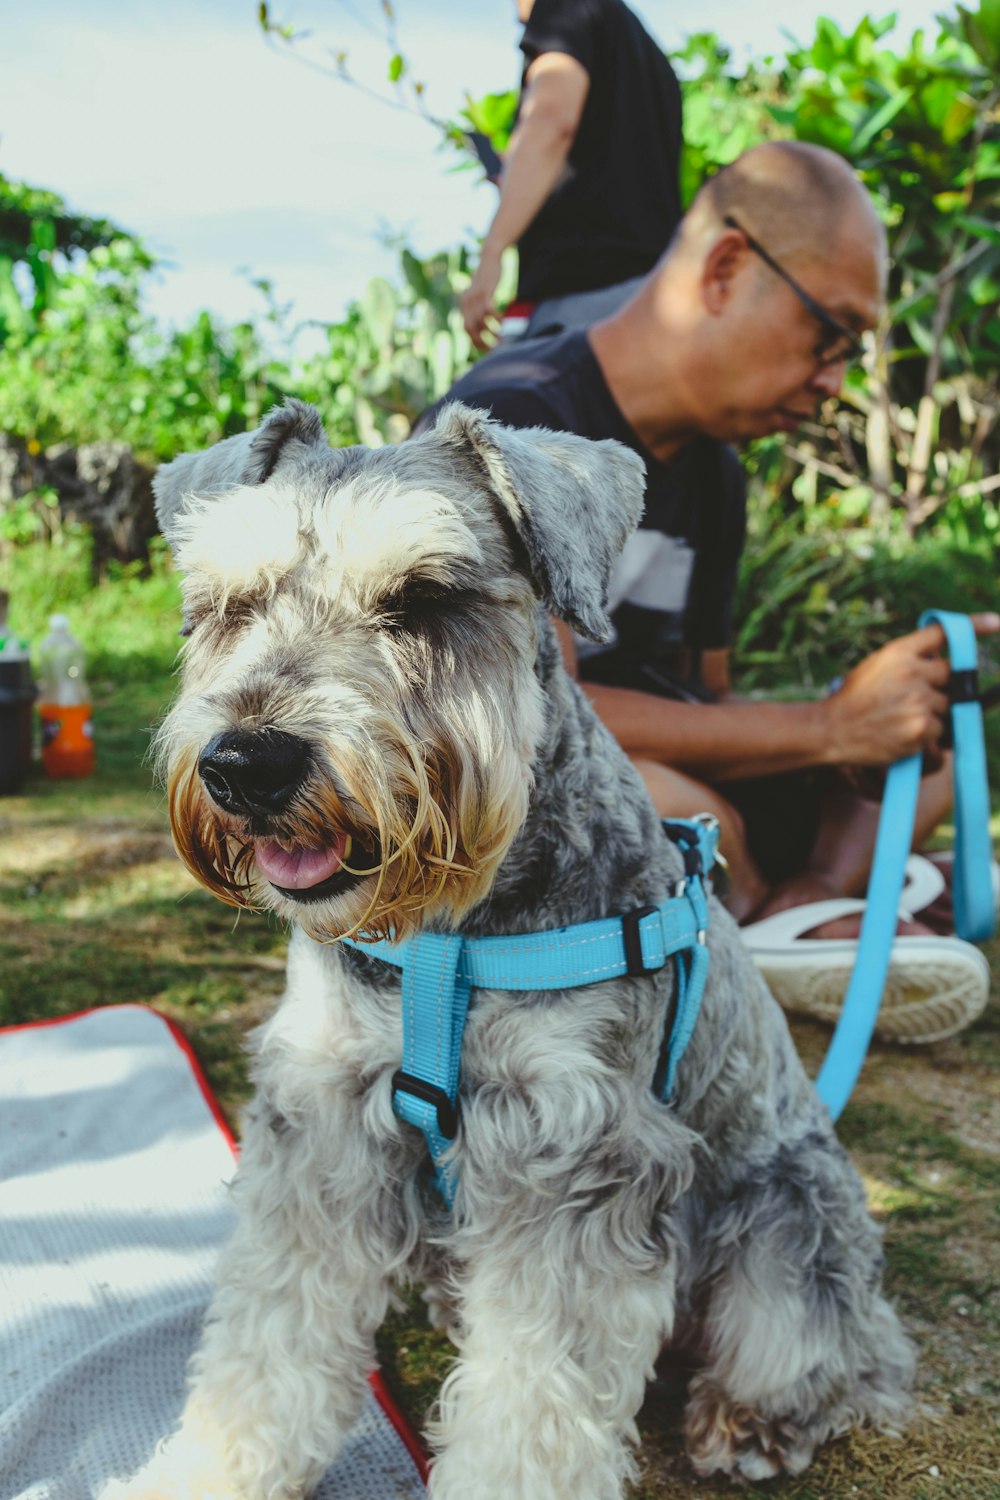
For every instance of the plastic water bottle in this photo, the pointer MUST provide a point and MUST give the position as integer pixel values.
(64, 705)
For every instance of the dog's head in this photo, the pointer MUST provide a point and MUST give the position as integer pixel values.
(353, 743)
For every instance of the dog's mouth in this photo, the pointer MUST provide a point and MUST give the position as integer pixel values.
(305, 872)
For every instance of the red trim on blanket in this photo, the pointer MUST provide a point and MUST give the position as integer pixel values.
(401, 1423)
(199, 1077)
(412, 1440)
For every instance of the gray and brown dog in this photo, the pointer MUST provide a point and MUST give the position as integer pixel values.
(375, 736)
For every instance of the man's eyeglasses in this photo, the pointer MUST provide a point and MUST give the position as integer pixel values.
(837, 344)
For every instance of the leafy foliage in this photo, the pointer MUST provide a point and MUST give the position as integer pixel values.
(38, 232)
(397, 351)
(724, 113)
(93, 365)
(923, 130)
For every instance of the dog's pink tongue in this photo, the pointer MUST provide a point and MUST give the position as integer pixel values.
(298, 869)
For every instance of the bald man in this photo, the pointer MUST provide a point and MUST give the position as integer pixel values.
(743, 328)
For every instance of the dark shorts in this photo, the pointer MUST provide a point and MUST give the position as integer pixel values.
(781, 815)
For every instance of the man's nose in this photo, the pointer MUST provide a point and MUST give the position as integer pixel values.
(828, 379)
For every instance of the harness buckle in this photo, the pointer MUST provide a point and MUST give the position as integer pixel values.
(687, 847)
(429, 1093)
(635, 964)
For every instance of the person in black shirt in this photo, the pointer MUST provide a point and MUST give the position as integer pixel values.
(590, 188)
(742, 329)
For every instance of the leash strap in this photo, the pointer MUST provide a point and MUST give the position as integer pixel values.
(441, 969)
(852, 1037)
(975, 913)
(972, 886)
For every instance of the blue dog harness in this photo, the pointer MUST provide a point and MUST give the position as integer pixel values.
(440, 970)
(975, 910)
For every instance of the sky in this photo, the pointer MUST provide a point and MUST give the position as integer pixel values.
(231, 160)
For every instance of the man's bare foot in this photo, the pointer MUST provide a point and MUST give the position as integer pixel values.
(939, 915)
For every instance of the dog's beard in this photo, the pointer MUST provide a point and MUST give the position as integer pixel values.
(374, 865)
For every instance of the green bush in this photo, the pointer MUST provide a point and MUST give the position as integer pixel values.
(814, 595)
(93, 365)
(128, 623)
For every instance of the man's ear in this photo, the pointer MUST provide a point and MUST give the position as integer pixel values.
(573, 502)
(288, 433)
(726, 256)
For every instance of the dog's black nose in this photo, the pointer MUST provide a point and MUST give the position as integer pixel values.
(256, 771)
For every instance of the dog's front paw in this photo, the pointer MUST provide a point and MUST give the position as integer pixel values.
(178, 1471)
(140, 1488)
(148, 1486)
(726, 1437)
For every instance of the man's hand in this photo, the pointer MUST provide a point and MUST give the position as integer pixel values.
(894, 703)
(479, 312)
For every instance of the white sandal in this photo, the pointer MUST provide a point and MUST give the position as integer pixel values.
(922, 885)
(925, 883)
(935, 987)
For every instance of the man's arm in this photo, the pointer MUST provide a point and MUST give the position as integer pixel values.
(891, 705)
(714, 742)
(556, 87)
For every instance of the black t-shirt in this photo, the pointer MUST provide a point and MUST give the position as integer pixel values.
(673, 586)
(611, 215)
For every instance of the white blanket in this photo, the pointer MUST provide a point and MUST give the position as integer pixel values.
(113, 1204)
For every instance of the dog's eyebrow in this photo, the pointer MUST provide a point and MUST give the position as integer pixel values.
(419, 590)
(419, 585)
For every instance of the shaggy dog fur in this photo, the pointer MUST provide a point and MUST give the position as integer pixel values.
(375, 735)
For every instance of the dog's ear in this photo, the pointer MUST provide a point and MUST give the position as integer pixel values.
(288, 432)
(573, 502)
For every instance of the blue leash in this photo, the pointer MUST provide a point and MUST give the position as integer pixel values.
(440, 970)
(975, 911)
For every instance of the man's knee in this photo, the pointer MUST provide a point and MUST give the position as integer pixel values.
(675, 795)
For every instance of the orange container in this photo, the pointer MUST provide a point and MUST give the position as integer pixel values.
(67, 739)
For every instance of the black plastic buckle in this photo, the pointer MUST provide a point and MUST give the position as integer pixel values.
(963, 687)
(635, 964)
(430, 1093)
(689, 849)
